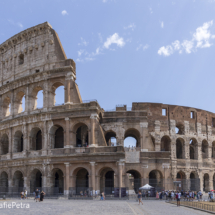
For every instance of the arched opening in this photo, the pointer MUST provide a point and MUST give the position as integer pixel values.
(213, 149)
(18, 179)
(179, 128)
(204, 149)
(4, 144)
(132, 138)
(58, 180)
(37, 98)
(133, 181)
(107, 181)
(206, 183)
(214, 182)
(165, 144)
(110, 138)
(180, 150)
(6, 107)
(59, 138)
(56, 137)
(21, 59)
(82, 181)
(181, 179)
(18, 142)
(4, 180)
(36, 139)
(155, 180)
(20, 102)
(35, 180)
(193, 149)
(58, 94)
(194, 182)
(82, 136)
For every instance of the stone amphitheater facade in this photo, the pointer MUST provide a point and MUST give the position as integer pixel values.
(69, 145)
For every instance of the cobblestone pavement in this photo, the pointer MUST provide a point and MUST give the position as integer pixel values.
(88, 207)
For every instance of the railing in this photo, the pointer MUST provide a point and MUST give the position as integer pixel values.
(198, 205)
(88, 101)
(59, 104)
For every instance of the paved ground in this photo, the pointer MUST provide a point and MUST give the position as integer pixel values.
(84, 207)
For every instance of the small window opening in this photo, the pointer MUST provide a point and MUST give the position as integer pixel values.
(37, 70)
(21, 59)
(192, 114)
(164, 112)
(213, 122)
(7, 82)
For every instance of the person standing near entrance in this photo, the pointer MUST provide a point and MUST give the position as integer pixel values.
(178, 197)
(37, 195)
(139, 196)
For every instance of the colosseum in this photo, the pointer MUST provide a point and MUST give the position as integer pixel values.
(70, 146)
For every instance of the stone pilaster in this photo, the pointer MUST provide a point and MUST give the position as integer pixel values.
(67, 185)
(67, 133)
(93, 119)
(93, 176)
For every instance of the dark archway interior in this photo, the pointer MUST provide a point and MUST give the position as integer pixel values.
(4, 180)
(36, 180)
(18, 142)
(204, 149)
(39, 140)
(109, 182)
(134, 178)
(155, 180)
(18, 180)
(179, 149)
(206, 183)
(59, 138)
(82, 181)
(82, 136)
(59, 181)
(165, 144)
(194, 181)
(193, 149)
(109, 136)
(4, 144)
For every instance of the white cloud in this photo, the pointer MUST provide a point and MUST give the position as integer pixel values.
(166, 51)
(80, 52)
(200, 39)
(20, 25)
(64, 12)
(143, 47)
(150, 9)
(114, 39)
(162, 24)
(83, 42)
(84, 56)
(131, 26)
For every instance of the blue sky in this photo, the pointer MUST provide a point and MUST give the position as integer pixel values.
(130, 50)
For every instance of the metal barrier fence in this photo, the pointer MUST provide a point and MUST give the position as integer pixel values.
(84, 193)
(117, 193)
(11, 192)
(50, 192)
(199, 205)
(169, 184)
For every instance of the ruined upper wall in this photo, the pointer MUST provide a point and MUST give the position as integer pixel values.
(33, 50)
(180, 115)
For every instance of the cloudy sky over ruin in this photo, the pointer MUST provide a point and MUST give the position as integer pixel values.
(130, 50)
